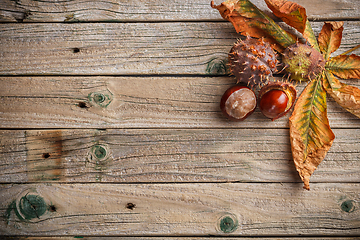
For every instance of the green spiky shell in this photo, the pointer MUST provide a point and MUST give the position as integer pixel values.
(302, 62)
(252, 61)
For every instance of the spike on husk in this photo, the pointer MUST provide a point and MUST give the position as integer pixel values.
(302, 62)
(251, 61)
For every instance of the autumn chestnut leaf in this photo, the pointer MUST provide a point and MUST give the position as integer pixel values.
(343, 66)
(247, 19)
(310, 134)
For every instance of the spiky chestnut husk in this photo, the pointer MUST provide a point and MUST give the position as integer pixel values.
(238, 102)
(252, 61)
(276, 99)
(302, 62)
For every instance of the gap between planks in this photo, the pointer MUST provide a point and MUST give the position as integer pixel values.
(184, 237)
(153, 10)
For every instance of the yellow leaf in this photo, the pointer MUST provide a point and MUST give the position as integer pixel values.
(310, 133)
(291, 13)
(346, 96)
(310, 36)
(247, 19)
(345, 66)
(330, 38)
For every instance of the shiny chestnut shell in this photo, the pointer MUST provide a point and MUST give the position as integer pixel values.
(238, 102)
(276, 99)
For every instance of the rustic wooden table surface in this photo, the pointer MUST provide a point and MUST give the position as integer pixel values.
(110, 126)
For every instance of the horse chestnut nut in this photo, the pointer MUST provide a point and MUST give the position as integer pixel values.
(238, 102)
(276, 99)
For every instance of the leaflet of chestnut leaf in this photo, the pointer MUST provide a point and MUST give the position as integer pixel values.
(343, 66)
(247, 19)
(310, 134)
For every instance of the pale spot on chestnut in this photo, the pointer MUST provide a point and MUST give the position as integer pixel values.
(238, 102)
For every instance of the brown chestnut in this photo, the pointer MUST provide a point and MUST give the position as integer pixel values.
(276, 99)
(238, 102)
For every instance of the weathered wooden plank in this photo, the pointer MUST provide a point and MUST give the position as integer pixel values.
(240, 209)
(153, 10)
(124, 48)
(178, 238)
(167, 155)
(131, 102)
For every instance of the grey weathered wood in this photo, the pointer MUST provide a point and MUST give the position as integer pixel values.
(153, 10)
(131, 102)
(259, 209)
(161, 144)
(183, 238)
(125, 48)
(167, 155)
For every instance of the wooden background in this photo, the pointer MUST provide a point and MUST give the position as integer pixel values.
(110, 126)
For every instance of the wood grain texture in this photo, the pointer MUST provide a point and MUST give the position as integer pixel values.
(153, 10)
(110, 127)
(181, 209)
(131, 102)
(180, 238)
(125, 48)
(167, 155)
